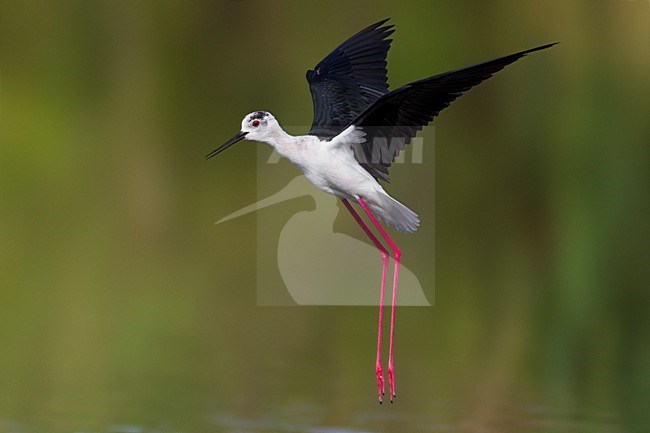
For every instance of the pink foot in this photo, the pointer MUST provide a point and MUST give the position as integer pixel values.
(380, 382)
(391, 380)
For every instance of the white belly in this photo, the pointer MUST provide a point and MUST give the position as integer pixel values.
(337, 172)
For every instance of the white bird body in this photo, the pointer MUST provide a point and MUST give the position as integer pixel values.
(332, 168)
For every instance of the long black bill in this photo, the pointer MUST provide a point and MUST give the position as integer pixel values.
(227, 144)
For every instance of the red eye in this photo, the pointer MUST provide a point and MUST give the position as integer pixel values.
(256, 123)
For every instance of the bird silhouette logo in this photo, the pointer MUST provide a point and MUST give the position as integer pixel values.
(321, 267)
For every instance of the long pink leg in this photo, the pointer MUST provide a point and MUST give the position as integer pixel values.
(384, 266)
(397, 254)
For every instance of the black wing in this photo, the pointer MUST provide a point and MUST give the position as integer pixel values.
(395, 118)
(349, 79)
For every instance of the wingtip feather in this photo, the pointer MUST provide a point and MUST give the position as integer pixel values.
(541, 47)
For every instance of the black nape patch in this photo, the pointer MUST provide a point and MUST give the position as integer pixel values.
(257, 115)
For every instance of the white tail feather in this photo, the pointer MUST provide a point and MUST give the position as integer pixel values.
(394, 213)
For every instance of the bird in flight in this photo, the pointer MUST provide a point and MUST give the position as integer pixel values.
(359, 128)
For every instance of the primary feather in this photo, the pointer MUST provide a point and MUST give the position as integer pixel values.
(392, 120)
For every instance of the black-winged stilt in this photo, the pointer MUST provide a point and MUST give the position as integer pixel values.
(359, 128)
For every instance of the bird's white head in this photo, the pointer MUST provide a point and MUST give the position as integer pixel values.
(257, 126)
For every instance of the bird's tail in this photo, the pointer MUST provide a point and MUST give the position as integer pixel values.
(394, 213)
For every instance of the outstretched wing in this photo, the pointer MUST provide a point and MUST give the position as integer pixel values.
(395, 118)
(349, 79)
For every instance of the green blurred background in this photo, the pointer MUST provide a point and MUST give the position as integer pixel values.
(123, 308)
